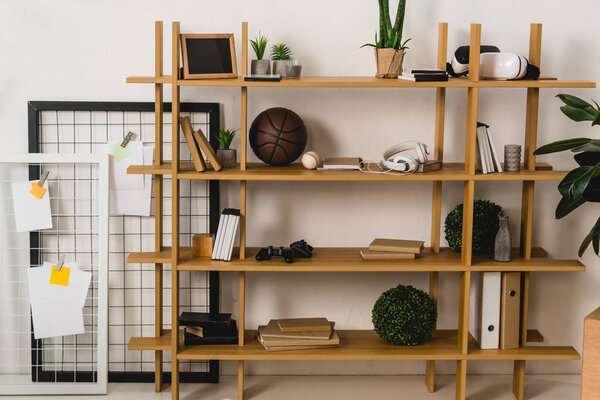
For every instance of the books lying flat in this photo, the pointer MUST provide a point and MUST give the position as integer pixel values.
(351, 163)
(204, 320)
(291, 348)
(333, 340)
(272, 331)
(230, 336)
(424, 77)
(429, 165)
(367, 254)
(304, 325)
(397, 245)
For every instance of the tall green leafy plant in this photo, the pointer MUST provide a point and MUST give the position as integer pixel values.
(582, 184)
(390, 36)
(259, 45)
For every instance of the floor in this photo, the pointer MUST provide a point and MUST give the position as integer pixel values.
(487, 387)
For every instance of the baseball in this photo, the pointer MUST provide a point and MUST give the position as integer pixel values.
(310, 160)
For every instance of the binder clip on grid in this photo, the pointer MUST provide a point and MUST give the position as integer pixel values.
(37, 188)
(130, 135)
(121, 151)
(59, 264)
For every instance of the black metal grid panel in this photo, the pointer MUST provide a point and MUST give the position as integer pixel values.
(76, 127)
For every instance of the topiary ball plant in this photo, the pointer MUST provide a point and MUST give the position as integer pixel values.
(404, 316)
(485, 227)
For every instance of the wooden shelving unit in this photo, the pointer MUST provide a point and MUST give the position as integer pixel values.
(455, 344)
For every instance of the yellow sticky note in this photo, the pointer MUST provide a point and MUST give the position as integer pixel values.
(37, 190)
(60, 277)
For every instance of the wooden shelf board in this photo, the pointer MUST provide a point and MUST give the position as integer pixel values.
(295, 172)
(525, 353)
(365, 82)
(162, 342)
(356, 345)
(160, 257)
(518, 263)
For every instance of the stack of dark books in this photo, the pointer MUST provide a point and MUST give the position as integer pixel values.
(207, 328)
(425, 75)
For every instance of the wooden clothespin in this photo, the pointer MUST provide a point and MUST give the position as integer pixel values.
(59, 264)
(37, 189)
(130, 135)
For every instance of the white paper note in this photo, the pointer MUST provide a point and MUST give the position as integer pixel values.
(119, 178)
(57, 300)
(31, 213)
(136, 201)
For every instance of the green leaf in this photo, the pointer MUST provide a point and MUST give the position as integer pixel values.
(597, 120)
(561, 145)
(573, 101)
(587, 240)
(592, 192)
(576, 181)
(566, 206)
(596, 239)
(587, 158)
(578, 114)
(592, 145)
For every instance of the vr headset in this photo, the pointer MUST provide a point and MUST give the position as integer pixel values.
(493, 65)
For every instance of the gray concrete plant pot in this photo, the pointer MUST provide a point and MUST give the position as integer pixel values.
(260, 67)
(228, 157)
(279, 67)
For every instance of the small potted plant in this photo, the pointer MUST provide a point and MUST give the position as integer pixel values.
(389, 47)
(260, 66)
(227, 156)
(281, 55)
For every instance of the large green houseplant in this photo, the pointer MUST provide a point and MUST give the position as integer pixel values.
(582, 184)
(389, 47)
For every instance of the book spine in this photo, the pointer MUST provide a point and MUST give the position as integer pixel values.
(497, 163)
(236, 222)
(218, 236)
(490, 310)
(224, 240)
(481, 144)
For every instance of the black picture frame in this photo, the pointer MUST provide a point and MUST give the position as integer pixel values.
(38, 374)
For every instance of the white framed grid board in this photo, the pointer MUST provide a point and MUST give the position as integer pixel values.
(86, 127)
(72, 324)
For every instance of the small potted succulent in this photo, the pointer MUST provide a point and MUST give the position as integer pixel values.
(227, 156)
(281, 55)
(389, 47)
(260, 66)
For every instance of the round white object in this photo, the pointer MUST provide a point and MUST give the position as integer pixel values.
(310, 160)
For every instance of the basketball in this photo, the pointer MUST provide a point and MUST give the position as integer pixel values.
(278, 136)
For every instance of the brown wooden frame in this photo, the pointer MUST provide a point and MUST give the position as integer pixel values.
(187, 75)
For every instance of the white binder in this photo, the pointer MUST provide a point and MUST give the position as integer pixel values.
(484, 315)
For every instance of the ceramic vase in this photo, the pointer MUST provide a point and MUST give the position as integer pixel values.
(512, 157)
(502, 244)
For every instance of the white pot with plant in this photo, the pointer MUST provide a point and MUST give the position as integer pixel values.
(227, 156)
(260, 66)
(389, 48)
(281, 55)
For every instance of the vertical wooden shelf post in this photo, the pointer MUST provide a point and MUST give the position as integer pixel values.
(158, 200)
(436, 208)
(468, 203)
(531, 123)
(175, 217)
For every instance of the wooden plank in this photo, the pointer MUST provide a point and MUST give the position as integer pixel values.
(590, 374)
(430, 375)
(525, 353)
(534, 336)
(240, 380)
(356, 345)
(242, 308)
(366, 82)
(461, 380)
(158, 204)
(175, 214)
(463, 312)
(242, 250)
(158, 343)
(467, 228)
(474, 52)
(244, 129)
(244, 49)
(519, 379)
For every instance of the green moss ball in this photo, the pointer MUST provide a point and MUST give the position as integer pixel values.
(485, 227)
(404, 316)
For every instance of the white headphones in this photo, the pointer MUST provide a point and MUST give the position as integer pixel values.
(405, 157)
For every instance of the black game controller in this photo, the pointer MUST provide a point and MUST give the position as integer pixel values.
(299, 249)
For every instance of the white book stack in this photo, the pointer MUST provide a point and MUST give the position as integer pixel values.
(225, 237)
(487, 156)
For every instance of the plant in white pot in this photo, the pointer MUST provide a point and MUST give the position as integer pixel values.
(389, 47)
(281, 55)
(227, 156)
(260, 66)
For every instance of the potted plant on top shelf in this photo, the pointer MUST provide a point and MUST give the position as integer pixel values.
(260, 66)
(389, 47)
(227, 156)
(281, 55)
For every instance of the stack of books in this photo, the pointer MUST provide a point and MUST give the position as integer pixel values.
(487, 157)
(207, 328)
(298, 334)
(425, 75)
(225, 237)
(392, 249)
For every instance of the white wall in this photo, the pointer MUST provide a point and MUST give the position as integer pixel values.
(83, 50)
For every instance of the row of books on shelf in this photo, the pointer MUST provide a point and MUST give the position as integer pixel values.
(226, 232)
(487, 156)
(495, 314)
